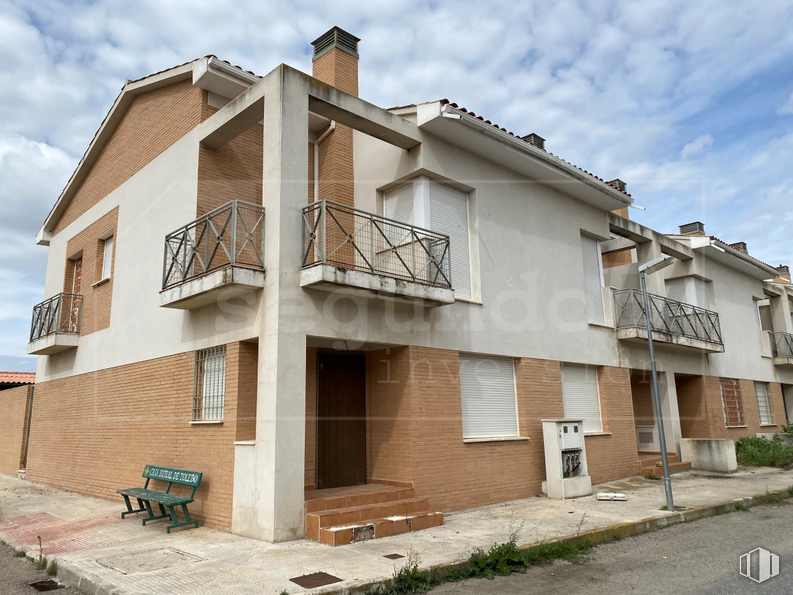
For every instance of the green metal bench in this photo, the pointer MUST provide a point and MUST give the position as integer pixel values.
(163, 500)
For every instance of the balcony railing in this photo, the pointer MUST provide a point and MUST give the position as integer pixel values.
(666, 316)
(348, 238)
(783, 345)
(231, 235)
(59, 314)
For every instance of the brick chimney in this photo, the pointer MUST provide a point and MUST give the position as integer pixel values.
(335, 62)
(740, 247)
(784, 272)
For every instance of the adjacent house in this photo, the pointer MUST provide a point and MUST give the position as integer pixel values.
(343, 314)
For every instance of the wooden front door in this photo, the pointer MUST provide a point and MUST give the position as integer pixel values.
(341, 420)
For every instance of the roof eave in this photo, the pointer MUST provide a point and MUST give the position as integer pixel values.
(106, 129)
(613, 197)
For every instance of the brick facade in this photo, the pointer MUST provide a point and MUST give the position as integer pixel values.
(14, 403)
(415, 435)
(152, 123)
(702, 411)
(613, 454)
(234, 171)
(89, 245)
(93, 433)
(336, 175)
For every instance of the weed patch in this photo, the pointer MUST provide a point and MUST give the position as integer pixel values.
(52, 569)
(759, 452)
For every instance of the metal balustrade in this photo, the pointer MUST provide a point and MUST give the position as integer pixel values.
(231, 235)
(349, 238)
(666, 316)
(59, 314)
(782, 344)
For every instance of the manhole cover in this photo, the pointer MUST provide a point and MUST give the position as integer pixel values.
(393, 556)
(317, 579)
(48, 585)
(148, 561)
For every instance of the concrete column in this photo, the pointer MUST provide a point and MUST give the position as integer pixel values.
(646, 252)
(780, 312)
(669, 411)
(280, 413)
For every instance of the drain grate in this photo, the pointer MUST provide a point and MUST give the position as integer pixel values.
(48, 585)
(393, 556)
(317, 579)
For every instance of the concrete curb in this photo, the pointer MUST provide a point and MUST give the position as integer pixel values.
(607, 534)
(92, 584)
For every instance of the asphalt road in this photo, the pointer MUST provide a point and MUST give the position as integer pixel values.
(701, 557)
(16, 574)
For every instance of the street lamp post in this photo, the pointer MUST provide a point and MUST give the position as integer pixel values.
(650, 268)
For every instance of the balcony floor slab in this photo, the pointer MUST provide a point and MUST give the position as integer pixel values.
(325, 277)
(640, 334)
(783, 361)
(54, 343)
(224, 283)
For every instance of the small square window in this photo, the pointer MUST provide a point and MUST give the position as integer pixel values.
(209, 393)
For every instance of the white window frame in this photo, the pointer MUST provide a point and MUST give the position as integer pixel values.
(481, 437)
(209, 393)
(595, 371)
(599, 254)
(767, 398)
(108, 245)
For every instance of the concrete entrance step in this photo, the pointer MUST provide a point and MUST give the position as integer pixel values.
(386, 527)
(650, 459)
(372, 493)
(658, 471)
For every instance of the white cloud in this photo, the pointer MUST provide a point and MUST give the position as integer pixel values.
(788, 107)
(617, 87)
(697, 147)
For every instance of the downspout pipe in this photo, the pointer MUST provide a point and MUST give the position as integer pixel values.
(325, 135)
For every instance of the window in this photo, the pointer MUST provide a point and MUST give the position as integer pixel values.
(581, 395)
(593, 280)
(489, 401)
(689, 290)
(449, 215)
(763, 404)
(440, 208)
(107, 258)
(209, 391)
(731, 400)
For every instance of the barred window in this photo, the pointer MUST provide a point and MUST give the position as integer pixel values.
(763, 403)
(209, 393)
(731, 400)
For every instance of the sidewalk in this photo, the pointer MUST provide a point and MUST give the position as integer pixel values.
(95, 548)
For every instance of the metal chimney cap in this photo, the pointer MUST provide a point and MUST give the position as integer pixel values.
(695, 228)
(335, 38)
(618, 184)
(535, 140)
(783, 269)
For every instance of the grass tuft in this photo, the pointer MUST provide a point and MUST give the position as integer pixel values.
(760, 452)
(52, 570)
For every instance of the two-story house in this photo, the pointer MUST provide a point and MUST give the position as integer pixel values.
(274, 282)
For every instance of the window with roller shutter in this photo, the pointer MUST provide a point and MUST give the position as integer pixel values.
(581, 395)
(593, 280)
(488, 395)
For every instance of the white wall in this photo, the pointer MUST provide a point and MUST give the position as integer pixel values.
(155, 201)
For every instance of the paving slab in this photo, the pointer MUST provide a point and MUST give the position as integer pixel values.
(99, 552)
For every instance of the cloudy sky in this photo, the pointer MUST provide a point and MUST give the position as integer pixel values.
(691, 103)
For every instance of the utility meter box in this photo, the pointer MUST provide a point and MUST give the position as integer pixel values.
(566, 474)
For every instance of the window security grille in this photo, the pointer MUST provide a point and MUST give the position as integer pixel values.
(763, 404)
(732, 402)
(209, 391)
